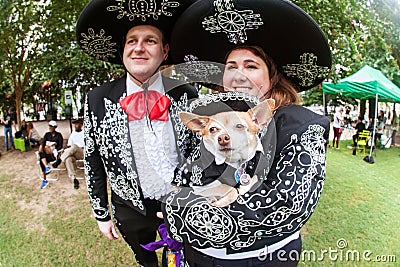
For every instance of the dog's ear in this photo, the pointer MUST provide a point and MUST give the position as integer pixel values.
(194, 122)
(262, 113)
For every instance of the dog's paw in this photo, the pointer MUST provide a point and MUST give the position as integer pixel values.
(226, 200)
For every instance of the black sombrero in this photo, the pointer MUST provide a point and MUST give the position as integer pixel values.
(102, 25)
(212, 104)
(208, 29)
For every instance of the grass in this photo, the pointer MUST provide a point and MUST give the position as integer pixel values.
(61, 237)
(360, 205)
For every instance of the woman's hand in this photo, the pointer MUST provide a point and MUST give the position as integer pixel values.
(108, 229)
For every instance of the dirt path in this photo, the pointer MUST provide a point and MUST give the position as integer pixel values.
(22, 169)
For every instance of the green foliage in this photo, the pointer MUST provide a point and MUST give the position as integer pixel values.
(356, 31)
(37, 43)
(359, 32)
(63, 61)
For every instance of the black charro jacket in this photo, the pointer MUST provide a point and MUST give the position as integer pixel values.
(279, 206)
(108, 151)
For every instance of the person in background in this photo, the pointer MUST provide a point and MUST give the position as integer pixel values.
(337, 127)
(255, 229)
(9, 122)
(395, 127)
(23, 134)
(33, 135)
(52, 142)
(380, 128)
(73, 152)
(360, 126)
(129, 123)
(23, 131)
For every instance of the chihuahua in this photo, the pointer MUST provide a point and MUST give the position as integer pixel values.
(232, 138)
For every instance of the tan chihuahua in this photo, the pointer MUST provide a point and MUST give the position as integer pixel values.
(232, 138)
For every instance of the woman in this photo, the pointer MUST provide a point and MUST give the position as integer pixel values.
(395, 127)
(33, 135)
(262, 228)
(380, 128)
(23, 132)
(337, 127)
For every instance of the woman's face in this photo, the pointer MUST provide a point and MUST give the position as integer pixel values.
(246, 72)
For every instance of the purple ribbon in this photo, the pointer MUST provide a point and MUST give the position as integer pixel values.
(165, 241)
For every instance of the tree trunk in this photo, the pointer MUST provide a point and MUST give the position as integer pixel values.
(18, 104)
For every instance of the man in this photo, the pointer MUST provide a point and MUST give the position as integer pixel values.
(73, 152)
(52, 142)
(129, 134)
(360, 126)
(9, 122)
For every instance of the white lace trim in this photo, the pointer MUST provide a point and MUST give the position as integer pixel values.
(155, 156)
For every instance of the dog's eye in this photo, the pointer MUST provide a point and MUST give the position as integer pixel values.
(239, 126)
(213, 129)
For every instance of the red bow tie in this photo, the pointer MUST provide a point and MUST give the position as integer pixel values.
(135, 105)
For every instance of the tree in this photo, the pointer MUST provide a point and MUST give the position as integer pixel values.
(37, 43)
(19, 32)
(64, 63)
(357, 34)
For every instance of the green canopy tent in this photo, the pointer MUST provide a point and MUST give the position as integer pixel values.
(365, 84)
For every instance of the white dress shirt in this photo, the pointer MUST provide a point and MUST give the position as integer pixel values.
(153, 147)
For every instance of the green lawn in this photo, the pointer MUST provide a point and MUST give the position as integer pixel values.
(359, 211)
(358, 214)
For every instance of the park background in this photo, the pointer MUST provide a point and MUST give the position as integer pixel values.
(40, 61)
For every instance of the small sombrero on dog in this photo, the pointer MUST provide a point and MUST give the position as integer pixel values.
(211, 28)
(103, 24)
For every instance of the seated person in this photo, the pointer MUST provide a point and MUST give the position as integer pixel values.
(48, 150)
(23, 132)
(73, 151)
(360, 126)
(33, 135)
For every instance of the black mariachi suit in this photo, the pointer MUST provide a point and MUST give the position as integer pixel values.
(108, 154)
(276, 209)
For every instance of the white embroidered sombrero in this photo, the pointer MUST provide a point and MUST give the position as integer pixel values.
(102, 25)
(208, 29)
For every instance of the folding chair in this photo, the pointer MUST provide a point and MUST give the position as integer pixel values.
(54, 175)
(80, 168)
(362, 140)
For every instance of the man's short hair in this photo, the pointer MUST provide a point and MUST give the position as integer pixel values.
(80, 121)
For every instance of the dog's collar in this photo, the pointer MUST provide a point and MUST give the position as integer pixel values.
(246, 170)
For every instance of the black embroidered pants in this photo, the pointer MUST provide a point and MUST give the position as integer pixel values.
(137, 229)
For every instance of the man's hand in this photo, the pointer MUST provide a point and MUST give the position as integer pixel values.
(108, 229)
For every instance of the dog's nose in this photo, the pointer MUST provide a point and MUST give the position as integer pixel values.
(224, 139)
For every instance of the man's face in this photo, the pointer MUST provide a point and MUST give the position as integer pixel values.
(144, 51)
(78, 127)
